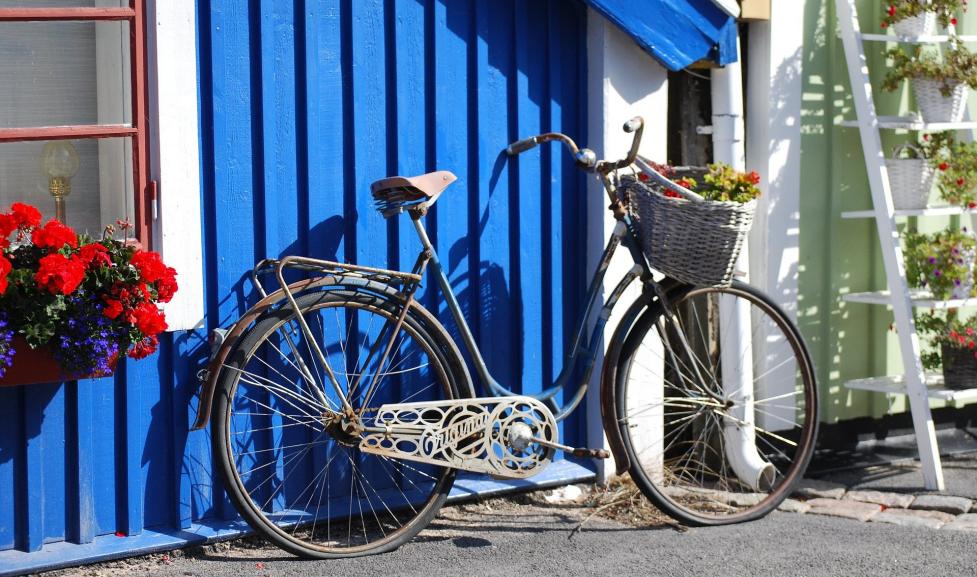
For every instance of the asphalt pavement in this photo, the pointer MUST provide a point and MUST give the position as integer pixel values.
(507, 538)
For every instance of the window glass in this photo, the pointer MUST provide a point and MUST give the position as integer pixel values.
(62, 73)
(100, 189)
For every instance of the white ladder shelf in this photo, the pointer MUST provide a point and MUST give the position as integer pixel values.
(917, 385)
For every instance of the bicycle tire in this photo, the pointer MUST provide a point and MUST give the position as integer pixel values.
(681, 434)
(266, 499)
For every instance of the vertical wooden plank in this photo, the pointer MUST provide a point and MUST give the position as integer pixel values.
(326, 126)
(184, 352)
(411, 107)
(494, 60)
(130, 455)
(370, 128)
(527, 213)
(102, 452)
(451, 36)
(10, 446)
(237, 163)
(280, 194)
(44, 479)
(80, 510)
(153, 441)
(278, 119)
(551, 203)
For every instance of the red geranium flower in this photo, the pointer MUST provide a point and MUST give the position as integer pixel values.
(148, 319)
(150, 266)
(94, 255)
(59, 274)
(166, 286)
(144, 348)
(944, 166)
(113, 308)
(54, 235)
(5, 267)
(26, 215)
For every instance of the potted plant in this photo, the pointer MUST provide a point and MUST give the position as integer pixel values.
(69, 304)
(911, 176)
(952, 347)
(954, 163)
(941, 83)
(919, 17)
(942, 262)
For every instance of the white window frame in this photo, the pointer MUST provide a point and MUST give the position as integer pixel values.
(175, 153)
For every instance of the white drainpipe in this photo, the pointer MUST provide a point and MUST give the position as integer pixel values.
(739, 432)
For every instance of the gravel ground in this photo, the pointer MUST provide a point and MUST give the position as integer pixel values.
(525, 535)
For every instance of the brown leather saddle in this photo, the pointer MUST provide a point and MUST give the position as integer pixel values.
(395, 194)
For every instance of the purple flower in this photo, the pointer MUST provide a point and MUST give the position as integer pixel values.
(932, 259)
(6, 348)
(936, 272)
(87, 342)
(956, 281)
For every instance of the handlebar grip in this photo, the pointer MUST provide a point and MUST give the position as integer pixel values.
(520, 146)
(634, 124)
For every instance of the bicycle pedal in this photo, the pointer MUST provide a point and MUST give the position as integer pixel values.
(591, 453)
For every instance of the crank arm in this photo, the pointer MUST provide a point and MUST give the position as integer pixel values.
(582, 452)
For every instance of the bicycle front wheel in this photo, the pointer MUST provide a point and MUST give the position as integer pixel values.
(717, 404)
(293, 471)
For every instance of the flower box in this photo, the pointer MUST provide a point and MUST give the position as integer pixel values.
(71, 304)
(32, 366)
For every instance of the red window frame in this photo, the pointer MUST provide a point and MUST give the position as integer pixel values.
(137, 132)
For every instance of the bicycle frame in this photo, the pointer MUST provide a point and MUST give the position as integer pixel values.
(622, 233)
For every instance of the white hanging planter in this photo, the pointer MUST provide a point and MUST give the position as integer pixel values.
(920, 25)
(933, 106)
(910, 179)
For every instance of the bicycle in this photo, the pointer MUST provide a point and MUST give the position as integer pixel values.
(342, 408)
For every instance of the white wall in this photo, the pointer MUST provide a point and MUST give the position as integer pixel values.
(773, 139)
(623, 81)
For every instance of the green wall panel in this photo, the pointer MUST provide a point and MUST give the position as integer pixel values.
(847, 340)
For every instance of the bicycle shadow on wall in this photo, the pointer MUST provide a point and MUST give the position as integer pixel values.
(191, 352)
(482, 290)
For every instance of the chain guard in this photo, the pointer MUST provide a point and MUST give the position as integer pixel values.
(467, 434)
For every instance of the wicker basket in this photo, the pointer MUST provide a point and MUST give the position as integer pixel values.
(910, 179)
(919, 25)
(959, 367)
(694, 242)
(933, 106)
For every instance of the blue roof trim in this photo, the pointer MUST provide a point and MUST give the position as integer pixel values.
(676, 32)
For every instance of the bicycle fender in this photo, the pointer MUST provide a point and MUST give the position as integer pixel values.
(252, 314)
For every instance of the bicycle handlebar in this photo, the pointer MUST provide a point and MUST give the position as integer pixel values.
(520, 146)
(585, 158)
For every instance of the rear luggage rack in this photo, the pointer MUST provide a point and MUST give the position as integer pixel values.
(329, 268)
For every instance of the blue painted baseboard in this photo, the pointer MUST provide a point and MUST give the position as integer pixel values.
(108, 547)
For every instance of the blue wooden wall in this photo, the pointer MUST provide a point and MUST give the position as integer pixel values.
(303, 104)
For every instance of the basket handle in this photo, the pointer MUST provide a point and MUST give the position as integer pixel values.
(896, 151)
(646, 168)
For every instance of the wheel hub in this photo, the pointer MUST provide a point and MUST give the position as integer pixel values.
(344, 431)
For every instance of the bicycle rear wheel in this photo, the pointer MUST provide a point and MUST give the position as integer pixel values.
(296, 476)
(720, 430)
